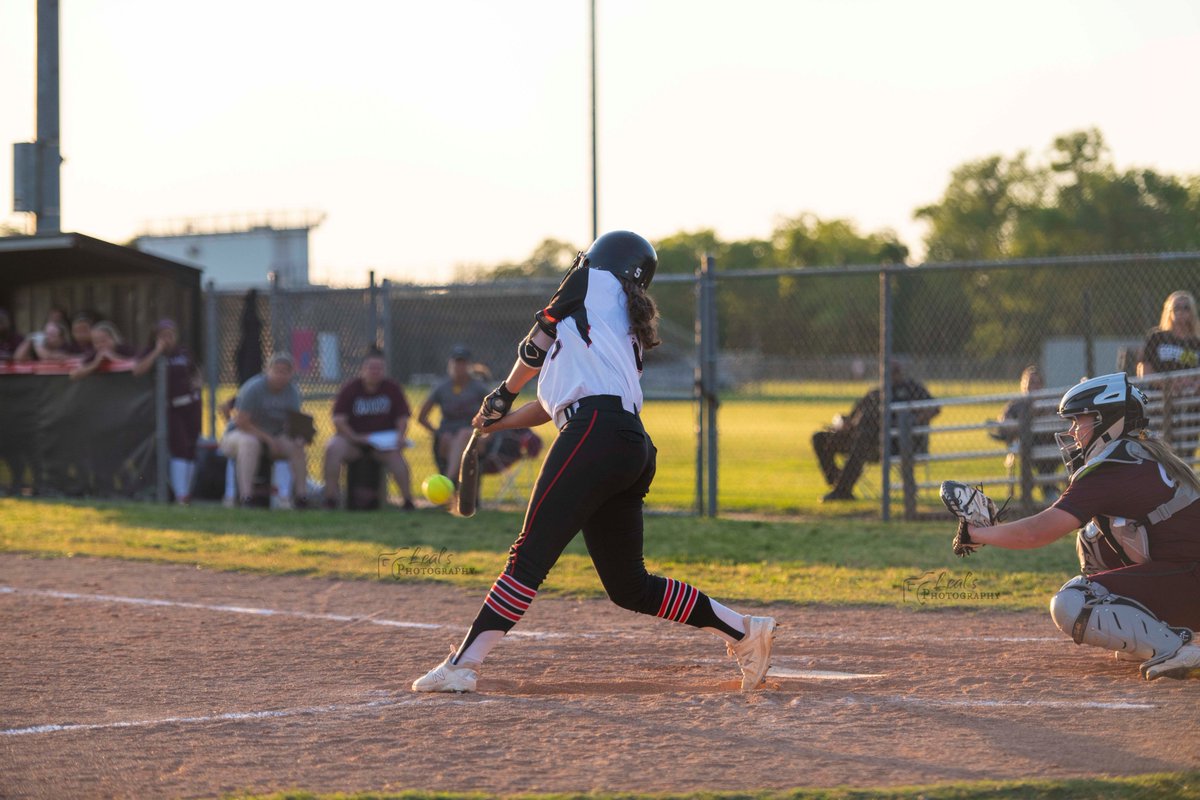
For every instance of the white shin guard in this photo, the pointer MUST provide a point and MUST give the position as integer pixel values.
(1093, 615)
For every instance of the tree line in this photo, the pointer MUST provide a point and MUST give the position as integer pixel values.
(1072, 200)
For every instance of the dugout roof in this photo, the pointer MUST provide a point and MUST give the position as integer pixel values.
(36, 259)
(78, 271)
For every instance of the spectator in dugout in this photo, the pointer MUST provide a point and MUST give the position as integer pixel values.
(183, 403)
(106, 347)
(261, 423)
(10, 340)
(458, 398)
(48, 344)
(857, 436)
(81, 334)
(371, 417)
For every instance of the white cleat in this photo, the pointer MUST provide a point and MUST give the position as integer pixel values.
(753, 652)
(1184, 663)
(447, 677)
(1125, 655)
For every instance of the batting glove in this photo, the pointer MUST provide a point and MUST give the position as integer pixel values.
(497, 404)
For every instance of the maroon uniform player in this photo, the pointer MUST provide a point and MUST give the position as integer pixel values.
(183, 404)
(1139, 549)
(371, 415)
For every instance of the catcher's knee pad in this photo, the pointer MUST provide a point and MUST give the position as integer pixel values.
(1093, 615)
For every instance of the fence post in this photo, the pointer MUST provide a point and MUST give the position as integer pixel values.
(710, 357)
(274, 306)
(211, 355)
(373, 313)
(161, 453)
(698, 386)
(885, 393)
(385, 319)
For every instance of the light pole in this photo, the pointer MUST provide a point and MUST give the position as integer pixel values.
(592, 41)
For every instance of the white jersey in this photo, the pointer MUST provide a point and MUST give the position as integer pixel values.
(594, 351)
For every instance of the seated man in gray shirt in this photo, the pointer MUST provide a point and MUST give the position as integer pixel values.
(263, 404)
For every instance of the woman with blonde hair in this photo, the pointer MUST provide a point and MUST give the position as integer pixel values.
(1175, 343)
(107, 346)
(1173, 346)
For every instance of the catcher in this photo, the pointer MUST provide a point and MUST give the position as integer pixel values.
(1139, 547)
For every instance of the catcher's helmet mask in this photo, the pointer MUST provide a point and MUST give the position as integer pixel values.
(1118, 409)
(624, 254)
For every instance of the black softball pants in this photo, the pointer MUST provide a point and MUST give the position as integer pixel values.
(593, 480)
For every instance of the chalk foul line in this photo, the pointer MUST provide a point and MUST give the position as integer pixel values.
(232, 716)
(249, 610)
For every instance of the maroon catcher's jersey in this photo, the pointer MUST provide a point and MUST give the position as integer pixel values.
(1133, 490)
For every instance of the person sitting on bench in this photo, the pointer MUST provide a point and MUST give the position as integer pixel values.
(371, 416)
(856, 436)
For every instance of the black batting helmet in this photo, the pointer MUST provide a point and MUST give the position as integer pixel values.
(624, 254)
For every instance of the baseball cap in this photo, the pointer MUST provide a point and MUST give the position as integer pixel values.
(460, 353)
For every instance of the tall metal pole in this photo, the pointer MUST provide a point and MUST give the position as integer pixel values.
(885, 393)
(698, 392)
(49, 214)
(595, 191)
(373, 314)
(710, 370)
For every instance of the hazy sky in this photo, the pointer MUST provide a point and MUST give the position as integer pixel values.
(457, 132)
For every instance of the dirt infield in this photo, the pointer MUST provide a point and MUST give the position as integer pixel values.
(230, 681)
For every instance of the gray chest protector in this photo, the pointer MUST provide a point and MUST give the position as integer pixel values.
(1128, 537)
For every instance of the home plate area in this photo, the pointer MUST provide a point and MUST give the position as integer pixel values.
(133, 679)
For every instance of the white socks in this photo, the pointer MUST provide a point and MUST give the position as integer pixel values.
(181, 472)
(479, 648)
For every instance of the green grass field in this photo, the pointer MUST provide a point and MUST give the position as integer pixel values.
(1177, 786)
(766, 463)
(822, 561)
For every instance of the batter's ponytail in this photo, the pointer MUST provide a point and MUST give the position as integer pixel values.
(643, 315)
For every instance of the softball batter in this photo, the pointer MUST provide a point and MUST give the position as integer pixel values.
(585, 349)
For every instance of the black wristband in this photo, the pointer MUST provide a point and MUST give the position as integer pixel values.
(504, 392)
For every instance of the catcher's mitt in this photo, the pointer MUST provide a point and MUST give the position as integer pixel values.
(972, 507)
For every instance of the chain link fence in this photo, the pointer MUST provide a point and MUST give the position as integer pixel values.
(801, 347)
(328, 331)
(792, 350)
